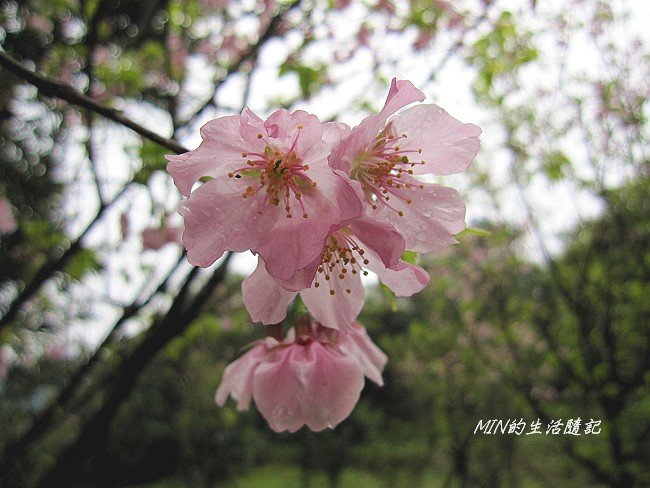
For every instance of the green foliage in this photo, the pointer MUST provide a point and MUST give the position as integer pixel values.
(153, 159)
(83, 262)
(41, 235)
(556, 165)
(310, 78)
(503, 50)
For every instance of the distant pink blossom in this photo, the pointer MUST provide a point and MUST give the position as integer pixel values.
(454, 18)
(364, 35)
(423, 40)
(177, 49)
(313, 377)
(331, 287)
(385, 6)
(156, 237)
(269, 189)
(7, 357)
(8, 223)
(341, 4)
(39, 24)
(55, 352)
(125, 226)
(384, 155)
(268, 8)
(215, 4)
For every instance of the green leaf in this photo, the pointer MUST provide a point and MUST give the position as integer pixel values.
(556, 165)
(410, 257)
(41, 235)
(472, 231)
(153, 159)
(84, 261)
(390, 296)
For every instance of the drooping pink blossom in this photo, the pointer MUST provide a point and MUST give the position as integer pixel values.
(270, 189)
(154, 238)
(313, 377)
(383, 155)
(237, 378)
(8, 223)
(372, 359)
(331, 286)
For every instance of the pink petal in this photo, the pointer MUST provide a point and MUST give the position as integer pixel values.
(217, 155)
(293, 244)
(217, 219)
(401, 93)
(303, 278)
(307, 384)
(404, 279)
(381, 237)
(298, 130)
(333, 389)
(448, 146)
(264, 298)
(435, 213)
(278, 389)
(339, 310)
(237, 378)
(372, 359)
(250, 127)
(333, 132)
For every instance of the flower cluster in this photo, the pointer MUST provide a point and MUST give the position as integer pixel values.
(320, 204)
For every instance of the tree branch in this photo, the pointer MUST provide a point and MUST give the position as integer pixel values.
(54, 265)
(55, 89)
(46, 418)
(249, 55)
(94, 429)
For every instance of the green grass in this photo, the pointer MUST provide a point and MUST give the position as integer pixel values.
(281, 476)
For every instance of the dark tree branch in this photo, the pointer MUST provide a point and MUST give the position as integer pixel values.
(55, 89)
(249, 55)
(175, 322)
(54, 265)
(15, 450)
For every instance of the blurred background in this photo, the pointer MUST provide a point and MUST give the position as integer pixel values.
(112, 345)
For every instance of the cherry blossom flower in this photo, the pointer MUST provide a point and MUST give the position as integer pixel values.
(8, 224)
(270, 189)
(384, 155)
(313, 377)
(335, 293)
(154, 238)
